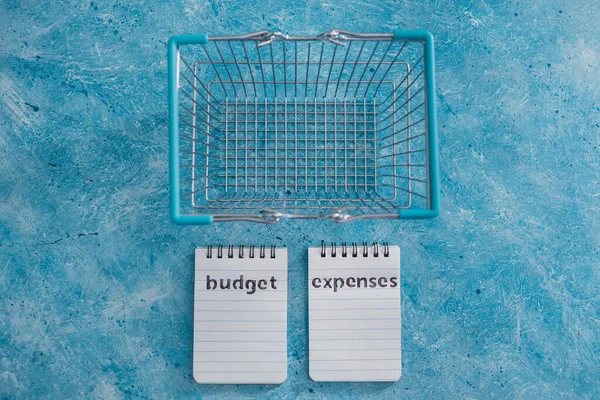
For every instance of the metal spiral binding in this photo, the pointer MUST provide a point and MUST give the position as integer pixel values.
(355, 252)
(262, 253)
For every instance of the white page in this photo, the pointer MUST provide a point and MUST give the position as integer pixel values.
(354, 333)
(240, 336)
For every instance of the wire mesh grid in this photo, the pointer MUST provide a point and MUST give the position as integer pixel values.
(271, 126)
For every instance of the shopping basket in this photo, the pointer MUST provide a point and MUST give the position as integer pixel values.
(267, 126)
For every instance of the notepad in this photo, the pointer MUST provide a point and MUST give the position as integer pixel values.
(354, 314)
(240, 315)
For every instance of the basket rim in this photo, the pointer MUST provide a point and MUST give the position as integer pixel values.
(336, 37)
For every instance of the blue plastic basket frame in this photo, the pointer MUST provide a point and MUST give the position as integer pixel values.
(424, 37)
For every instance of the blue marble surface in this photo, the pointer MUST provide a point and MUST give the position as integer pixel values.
(500, 293)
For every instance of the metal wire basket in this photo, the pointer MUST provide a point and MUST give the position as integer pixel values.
(268, 126)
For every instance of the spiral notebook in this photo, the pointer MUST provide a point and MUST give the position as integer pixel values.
(240, 315)
(354, 313)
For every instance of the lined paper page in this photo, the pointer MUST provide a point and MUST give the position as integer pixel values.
(354, 332)
(240, 318)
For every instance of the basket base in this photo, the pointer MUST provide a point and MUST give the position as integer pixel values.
(295, 149)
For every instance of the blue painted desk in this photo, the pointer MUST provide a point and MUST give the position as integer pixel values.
(500, 293)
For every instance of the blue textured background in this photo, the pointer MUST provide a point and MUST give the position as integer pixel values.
(500, 293)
